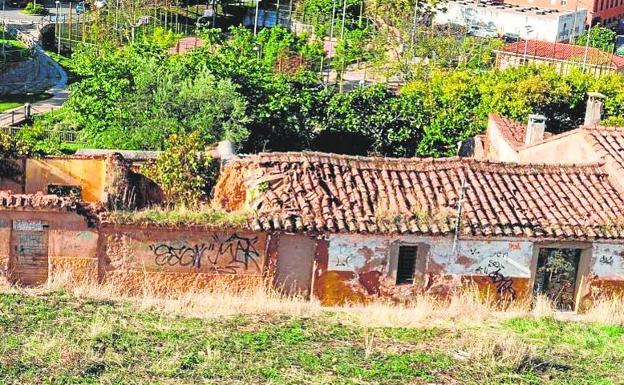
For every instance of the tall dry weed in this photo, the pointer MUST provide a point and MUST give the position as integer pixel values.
(220, 299)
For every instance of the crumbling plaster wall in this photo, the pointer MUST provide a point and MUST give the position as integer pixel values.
(368, 265)
(360, 266)
(607, 270)
(173, 259)
(72, 244)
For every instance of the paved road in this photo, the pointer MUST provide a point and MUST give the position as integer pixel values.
(12, 13)
(58, 90)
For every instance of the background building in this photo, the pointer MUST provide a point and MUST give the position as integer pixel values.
(606, 12)
(535, 23)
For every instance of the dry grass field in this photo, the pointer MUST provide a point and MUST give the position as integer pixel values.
(72, 333)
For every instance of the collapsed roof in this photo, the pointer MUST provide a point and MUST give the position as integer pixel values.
(316, 192)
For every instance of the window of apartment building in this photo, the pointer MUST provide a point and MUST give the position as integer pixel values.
(556, 275)
(564, 2)
(406, 265)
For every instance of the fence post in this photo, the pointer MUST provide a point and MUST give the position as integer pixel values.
(27, 111)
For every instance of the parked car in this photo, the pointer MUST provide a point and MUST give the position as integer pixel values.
(511, 37)
(479, 31)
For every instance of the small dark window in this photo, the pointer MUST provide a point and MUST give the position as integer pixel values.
(65, 190)
(406, 265)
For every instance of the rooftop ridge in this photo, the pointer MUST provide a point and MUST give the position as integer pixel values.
(416, 163)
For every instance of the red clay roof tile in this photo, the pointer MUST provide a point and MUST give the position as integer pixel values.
(335, 193)
(562, 51)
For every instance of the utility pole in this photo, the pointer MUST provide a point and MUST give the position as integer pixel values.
(214, 13)
(70, 25)
(3, 31)
(331, 36)
(574, 23)
(344, 14)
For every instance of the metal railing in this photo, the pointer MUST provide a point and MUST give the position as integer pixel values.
(52, 136)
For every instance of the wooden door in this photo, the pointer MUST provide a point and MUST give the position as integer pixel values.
(29, 252)
(295, 258)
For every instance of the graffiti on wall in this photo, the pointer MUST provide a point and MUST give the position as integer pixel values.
(608, 260)
(504, 285)
(509, 259)
(220, 254)
(355, 253)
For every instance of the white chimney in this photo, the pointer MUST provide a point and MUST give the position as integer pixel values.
(225, 149)
(593, 113)
(535, 129)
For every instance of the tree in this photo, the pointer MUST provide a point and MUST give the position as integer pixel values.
(184, 172)
(599, 37)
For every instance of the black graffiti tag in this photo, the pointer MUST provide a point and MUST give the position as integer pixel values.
(504, 285)
(606, 260)
(182, 256)
(238, 252)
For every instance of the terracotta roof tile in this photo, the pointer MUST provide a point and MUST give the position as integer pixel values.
(562, 51)
(47, 202)
(512, 130)
(335, 193)
(608, 141)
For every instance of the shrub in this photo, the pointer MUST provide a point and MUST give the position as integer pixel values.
(35, 9)
(184, 171)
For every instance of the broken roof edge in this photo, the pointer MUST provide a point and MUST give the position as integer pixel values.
(415, 163)
(39, 201)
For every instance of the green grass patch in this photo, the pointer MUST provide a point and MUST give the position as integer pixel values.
(178, 216)
(65, 63)
(10, 102)
(66, 340)
(12, 50)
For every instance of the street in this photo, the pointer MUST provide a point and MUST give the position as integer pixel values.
(16, 15)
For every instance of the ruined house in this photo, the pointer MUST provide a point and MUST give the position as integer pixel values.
(523, 213)
(351, 228)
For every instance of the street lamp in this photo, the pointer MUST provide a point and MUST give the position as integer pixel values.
(58, 28)
(3, 27)
(256, 18)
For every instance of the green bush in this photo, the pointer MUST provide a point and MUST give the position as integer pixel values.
(183, 171)
(35, 9)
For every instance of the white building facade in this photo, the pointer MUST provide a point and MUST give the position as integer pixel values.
(533, 23)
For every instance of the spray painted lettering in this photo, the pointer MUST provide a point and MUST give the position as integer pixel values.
(504, 285)
(606, 260)
(222, 255)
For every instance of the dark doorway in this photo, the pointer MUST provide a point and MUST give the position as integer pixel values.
(556, 274)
